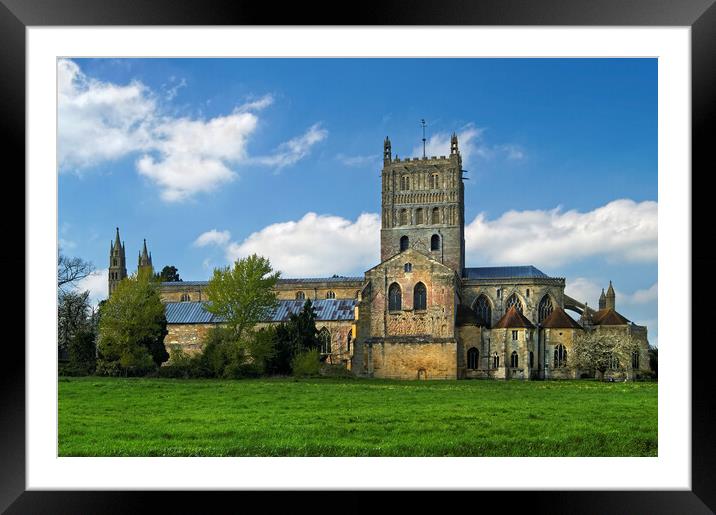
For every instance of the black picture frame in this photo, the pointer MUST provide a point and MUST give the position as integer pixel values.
(699, 15)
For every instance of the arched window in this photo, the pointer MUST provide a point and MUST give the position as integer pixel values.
(324, 337)
(513, 300)
(300, 295)
(560, 356)
(114, 262)
(514, 361)
(532, 359)
(403, 217)
(436, 215)
(408, 267)
(330, 294)
(185, 297)
(349, 337)
(635, 359)
(394, 297)
(613, 362)
(545, 308)
(419, 216)
(473, 358)
(420, 297)
(484, 312)
(434, 181)
(404, 243)
(405, 182)
(435, 242)
(495, 360)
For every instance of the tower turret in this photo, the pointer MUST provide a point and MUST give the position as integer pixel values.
(602, 301)
(387, 154)
(611, 297)
(453, 144)
(117, 263)
(145, 260)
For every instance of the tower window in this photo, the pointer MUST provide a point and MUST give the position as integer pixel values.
(330, 294)
(434, 181)
(435, 242)
(394, 297)
(403, 217)
(408, 267)
(420, 297)
(436, 215)
(300, 295)
(419, 215)
(404, 243)
(405, 182)
(185, 297)
(514, 360)
(514, 335)
(473, 358)
(114, 261)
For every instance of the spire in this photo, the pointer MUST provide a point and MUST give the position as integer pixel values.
(145, 258)
(453, 144)
(602, 301)
(386, 151)
(117, 262)
(611, 297)
(114, 247)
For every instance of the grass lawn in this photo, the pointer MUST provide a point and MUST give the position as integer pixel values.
(355, 417)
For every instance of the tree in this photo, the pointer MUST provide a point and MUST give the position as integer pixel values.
(132, 327)
(654, 360)
(600, 350)
(71, 269)
(242, 295)
(294, 337)
(73, 316)
(168, 274)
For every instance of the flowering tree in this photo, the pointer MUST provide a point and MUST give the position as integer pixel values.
(601, 350)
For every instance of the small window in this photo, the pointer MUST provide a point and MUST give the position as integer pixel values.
(185, 297)
(495, 360)
(115, 261)
(330, 294)
(408, 267)
(435, 242)
(300, 295)
(473, 358)
(436, 215)
(635, 359)
(528, 292)
(349, 337)
(613, 362)
(434, 181)
(420, 297)
(532, 359)
(394, 297)
(514, 335)
(419, 216)
(403, 217)
(560, 356)
(404, 243)
(514, 361)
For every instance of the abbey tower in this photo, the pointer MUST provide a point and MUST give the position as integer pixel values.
(423, 206)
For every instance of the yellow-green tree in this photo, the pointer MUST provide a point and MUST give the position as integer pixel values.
(241, 295)
(132, 327)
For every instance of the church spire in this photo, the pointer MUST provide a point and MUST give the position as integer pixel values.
(117, 263)
(602, 301)
(145, 259)
(611, 297)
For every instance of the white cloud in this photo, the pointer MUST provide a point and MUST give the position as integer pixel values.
(97, 284)
(621, 231)
(584, 290)
(315, 245)
(639, 296)
(294, 149)
(213, 237)
(100, 121)
(371, 159)
(471, 144)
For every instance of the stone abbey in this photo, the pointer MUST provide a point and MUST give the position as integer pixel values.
(421, 313)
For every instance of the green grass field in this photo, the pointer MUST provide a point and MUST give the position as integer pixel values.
(352, 417)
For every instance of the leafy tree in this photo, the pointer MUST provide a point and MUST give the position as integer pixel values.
(132, 327)
(71, 270)
(654, 360)
(168, 274)
(73, 316)
(242, 295)
(297, 335)
(598, 350)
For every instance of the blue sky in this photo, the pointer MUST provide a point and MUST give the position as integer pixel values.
(210, 159)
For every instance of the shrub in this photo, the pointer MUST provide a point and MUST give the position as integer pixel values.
(306, 363)
(341, 371)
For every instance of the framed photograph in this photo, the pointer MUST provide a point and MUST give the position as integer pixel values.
(471, 205)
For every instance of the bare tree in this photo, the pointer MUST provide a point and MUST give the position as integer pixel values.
(603, 350)
(72, 269)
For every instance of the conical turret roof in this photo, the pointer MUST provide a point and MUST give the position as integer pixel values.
(513, 319)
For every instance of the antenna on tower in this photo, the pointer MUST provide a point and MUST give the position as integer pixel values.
(423, 125)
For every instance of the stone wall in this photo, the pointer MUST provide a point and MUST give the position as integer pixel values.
(413, 360)
(189, 337)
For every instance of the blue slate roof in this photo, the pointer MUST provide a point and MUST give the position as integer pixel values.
(326, 309)
(503, 272)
